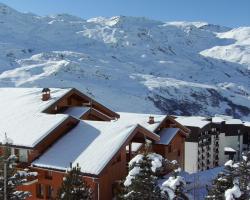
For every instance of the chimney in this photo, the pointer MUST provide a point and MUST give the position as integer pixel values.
(151, 120)
(45, 94)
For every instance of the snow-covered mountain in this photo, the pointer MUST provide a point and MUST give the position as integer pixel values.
(130, 64)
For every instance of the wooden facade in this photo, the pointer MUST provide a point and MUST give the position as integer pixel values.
(173, 151)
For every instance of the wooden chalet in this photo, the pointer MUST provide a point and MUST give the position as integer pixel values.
(52, 129)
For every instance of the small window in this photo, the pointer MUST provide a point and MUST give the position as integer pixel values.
(48, 174)
(23, 155)
(49, 192)
(179, 153)
(169, 148)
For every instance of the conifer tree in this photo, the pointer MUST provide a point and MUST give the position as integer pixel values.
(10, 177)
(222, 182)
(243, 171)
(141, 182)
(74, 187)
(232, 181)
(174, 186)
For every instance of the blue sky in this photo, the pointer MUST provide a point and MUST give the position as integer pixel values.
(224, 12)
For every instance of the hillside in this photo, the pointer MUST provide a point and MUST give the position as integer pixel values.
(130, 64)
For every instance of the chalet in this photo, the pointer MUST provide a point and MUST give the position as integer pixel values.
(53, 129)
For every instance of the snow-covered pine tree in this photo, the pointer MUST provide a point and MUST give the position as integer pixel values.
(141, 182)
(243, 179)
(223, 182)
(11, 177)
(74, 187)
(174, 186)
(233, 182)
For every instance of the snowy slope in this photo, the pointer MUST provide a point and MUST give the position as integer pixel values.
(130, 64)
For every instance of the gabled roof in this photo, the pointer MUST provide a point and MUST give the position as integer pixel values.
(91, 144)
(21, 115)
(24, 117)
(89, 101)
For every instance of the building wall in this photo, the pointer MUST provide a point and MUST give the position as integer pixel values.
(110, 177)
(191, 156)
(173, 151)
(54, 181)
(105, 186)
(228, 141)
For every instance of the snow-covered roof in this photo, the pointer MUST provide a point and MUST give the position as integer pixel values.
(234, 121)
(246, 123)
(142, 119)
(221, 118)
(91, 144)
(167, 134)
(229, 149)
(226, 119)
(21, 115)
(192, 121)
(76, 111)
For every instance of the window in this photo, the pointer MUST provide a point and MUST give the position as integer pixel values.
(179, 153)
(49, 192)
(39, 191)
(48, 174)
(23, 155)
(169, 148)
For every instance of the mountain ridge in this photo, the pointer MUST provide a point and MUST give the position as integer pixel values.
(130, 63)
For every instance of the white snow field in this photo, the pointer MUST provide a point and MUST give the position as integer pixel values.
(130, 64)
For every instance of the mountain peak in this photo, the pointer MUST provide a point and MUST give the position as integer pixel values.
(124, 21)
(131, 63)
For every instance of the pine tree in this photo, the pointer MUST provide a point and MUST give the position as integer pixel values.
(174, 186)
(243, 171)
(141, 182)
(223, 182)
(234, 178)
(13, 177)
(74, 187)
